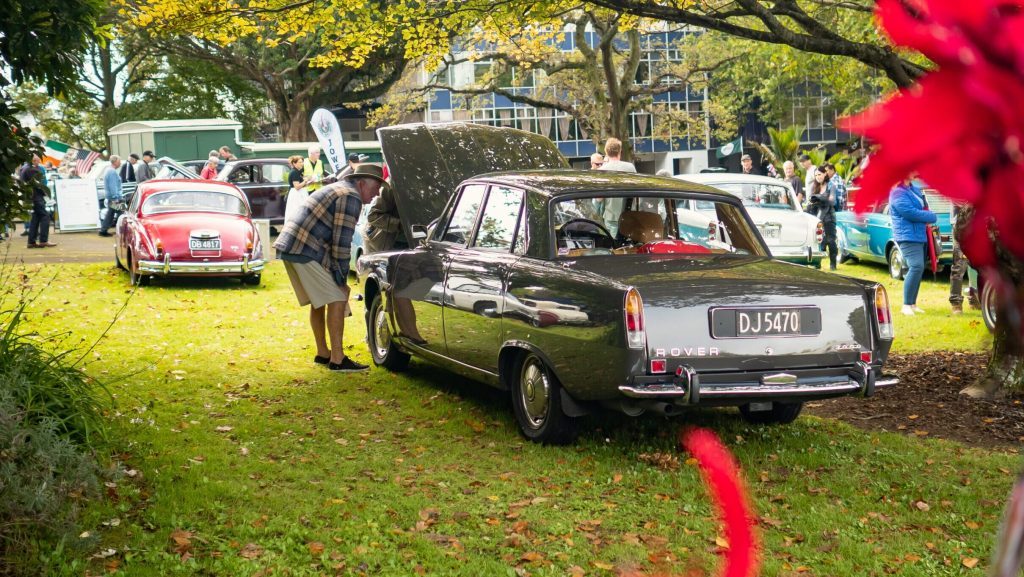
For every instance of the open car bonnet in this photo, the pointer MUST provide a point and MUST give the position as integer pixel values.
(428, 161)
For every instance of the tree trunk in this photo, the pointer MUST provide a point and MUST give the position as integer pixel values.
(1006, 367)
(293, 121)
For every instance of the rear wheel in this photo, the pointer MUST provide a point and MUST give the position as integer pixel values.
(779, 414)
(253, 279)
(117, 259)
(378, 335)
(989, 305)
(134, 276)
(537, 403)
(897, 266)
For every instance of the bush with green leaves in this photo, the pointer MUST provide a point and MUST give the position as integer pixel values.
(51, 424)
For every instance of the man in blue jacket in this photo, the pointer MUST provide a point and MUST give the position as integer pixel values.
(910, 218)
(112, 188)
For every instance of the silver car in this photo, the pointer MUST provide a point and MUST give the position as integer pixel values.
(791, 234)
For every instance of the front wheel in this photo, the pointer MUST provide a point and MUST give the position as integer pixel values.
(779, 414)
(252, 280)
(537, 404)
(897, 266)
(378, 335)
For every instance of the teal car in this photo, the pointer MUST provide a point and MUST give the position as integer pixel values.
(868, 236)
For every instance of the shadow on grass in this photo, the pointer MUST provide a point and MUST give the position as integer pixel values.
(601, 426)
(196, 282)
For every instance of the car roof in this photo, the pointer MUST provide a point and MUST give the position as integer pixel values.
(561, 182)
(713, 178)
(154, 186)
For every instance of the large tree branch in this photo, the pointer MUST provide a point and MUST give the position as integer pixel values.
(884, 58)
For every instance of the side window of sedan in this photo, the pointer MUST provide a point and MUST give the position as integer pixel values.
(275, 173)
(498, 225)
(464, 215)
(241, 175)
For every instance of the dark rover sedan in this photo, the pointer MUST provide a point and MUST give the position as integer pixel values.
(585, 291)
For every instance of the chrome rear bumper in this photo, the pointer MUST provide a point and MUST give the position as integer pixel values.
(167, 266)
(687, 387)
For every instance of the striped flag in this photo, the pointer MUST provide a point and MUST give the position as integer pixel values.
(84, 160)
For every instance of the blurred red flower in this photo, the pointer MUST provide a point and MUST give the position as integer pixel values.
(962, 125)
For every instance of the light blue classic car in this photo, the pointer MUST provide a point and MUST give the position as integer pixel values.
(868, 235)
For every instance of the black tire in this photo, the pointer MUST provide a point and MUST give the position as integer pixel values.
(134, 277)
(897, 266)
(378, 337)
(537, 404)
(780, 414)
(252, 280)
(989, 306)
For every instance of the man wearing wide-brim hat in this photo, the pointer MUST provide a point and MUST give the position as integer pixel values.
(315, 245)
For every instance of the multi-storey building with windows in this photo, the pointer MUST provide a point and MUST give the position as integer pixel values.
(657, 142)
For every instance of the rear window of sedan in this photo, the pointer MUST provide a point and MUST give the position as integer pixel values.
(622, 225)
(194, 201)
(761, 195)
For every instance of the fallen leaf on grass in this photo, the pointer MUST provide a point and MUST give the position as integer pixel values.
(316, 548)
(251, 551)
(969, 562)
(224, 429)
(922, 506)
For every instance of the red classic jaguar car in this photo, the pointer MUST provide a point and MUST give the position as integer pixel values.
(188, 228)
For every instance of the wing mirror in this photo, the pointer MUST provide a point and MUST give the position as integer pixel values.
(419, 234)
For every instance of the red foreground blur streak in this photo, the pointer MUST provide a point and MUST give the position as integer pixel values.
(722, 476)
(961, 126)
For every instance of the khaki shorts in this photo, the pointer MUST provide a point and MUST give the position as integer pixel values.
(314, 285)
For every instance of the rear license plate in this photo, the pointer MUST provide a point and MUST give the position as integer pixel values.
(771, 233)
(201, 244)
(765, 322)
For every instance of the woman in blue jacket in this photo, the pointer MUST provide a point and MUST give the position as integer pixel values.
(910, 217)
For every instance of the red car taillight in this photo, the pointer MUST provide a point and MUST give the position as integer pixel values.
(712, 231)
(634, 310)
(819, 233)
(883, 314)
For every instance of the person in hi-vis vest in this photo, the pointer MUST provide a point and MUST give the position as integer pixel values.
(313, 169)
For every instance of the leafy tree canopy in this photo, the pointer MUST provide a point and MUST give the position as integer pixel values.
(42, 42)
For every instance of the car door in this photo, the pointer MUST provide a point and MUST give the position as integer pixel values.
(417, 297)
(475, 286)
(856, 225)
(247, 177)
(879, 231)
(274, 185)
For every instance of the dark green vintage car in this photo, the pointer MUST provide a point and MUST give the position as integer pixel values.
(587, 291)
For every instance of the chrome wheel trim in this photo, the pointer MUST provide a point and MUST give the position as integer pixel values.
(895, 263)
(534, 394)
(381, 333)
(989, 307)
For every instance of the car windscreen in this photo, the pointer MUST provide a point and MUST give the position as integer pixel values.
(762, 195)
(194, 201)
(625, 224)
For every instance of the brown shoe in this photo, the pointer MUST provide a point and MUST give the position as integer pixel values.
(958, 309)
(47, 244)
(35, 245)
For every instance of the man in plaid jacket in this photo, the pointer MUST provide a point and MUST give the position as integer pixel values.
(315, 246)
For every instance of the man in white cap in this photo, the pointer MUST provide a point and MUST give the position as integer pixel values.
(313, 169)
(315, 245)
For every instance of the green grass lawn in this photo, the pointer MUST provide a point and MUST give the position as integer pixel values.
(935, 330)
(248, 459)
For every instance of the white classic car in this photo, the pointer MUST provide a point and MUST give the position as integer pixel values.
(791, 234)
